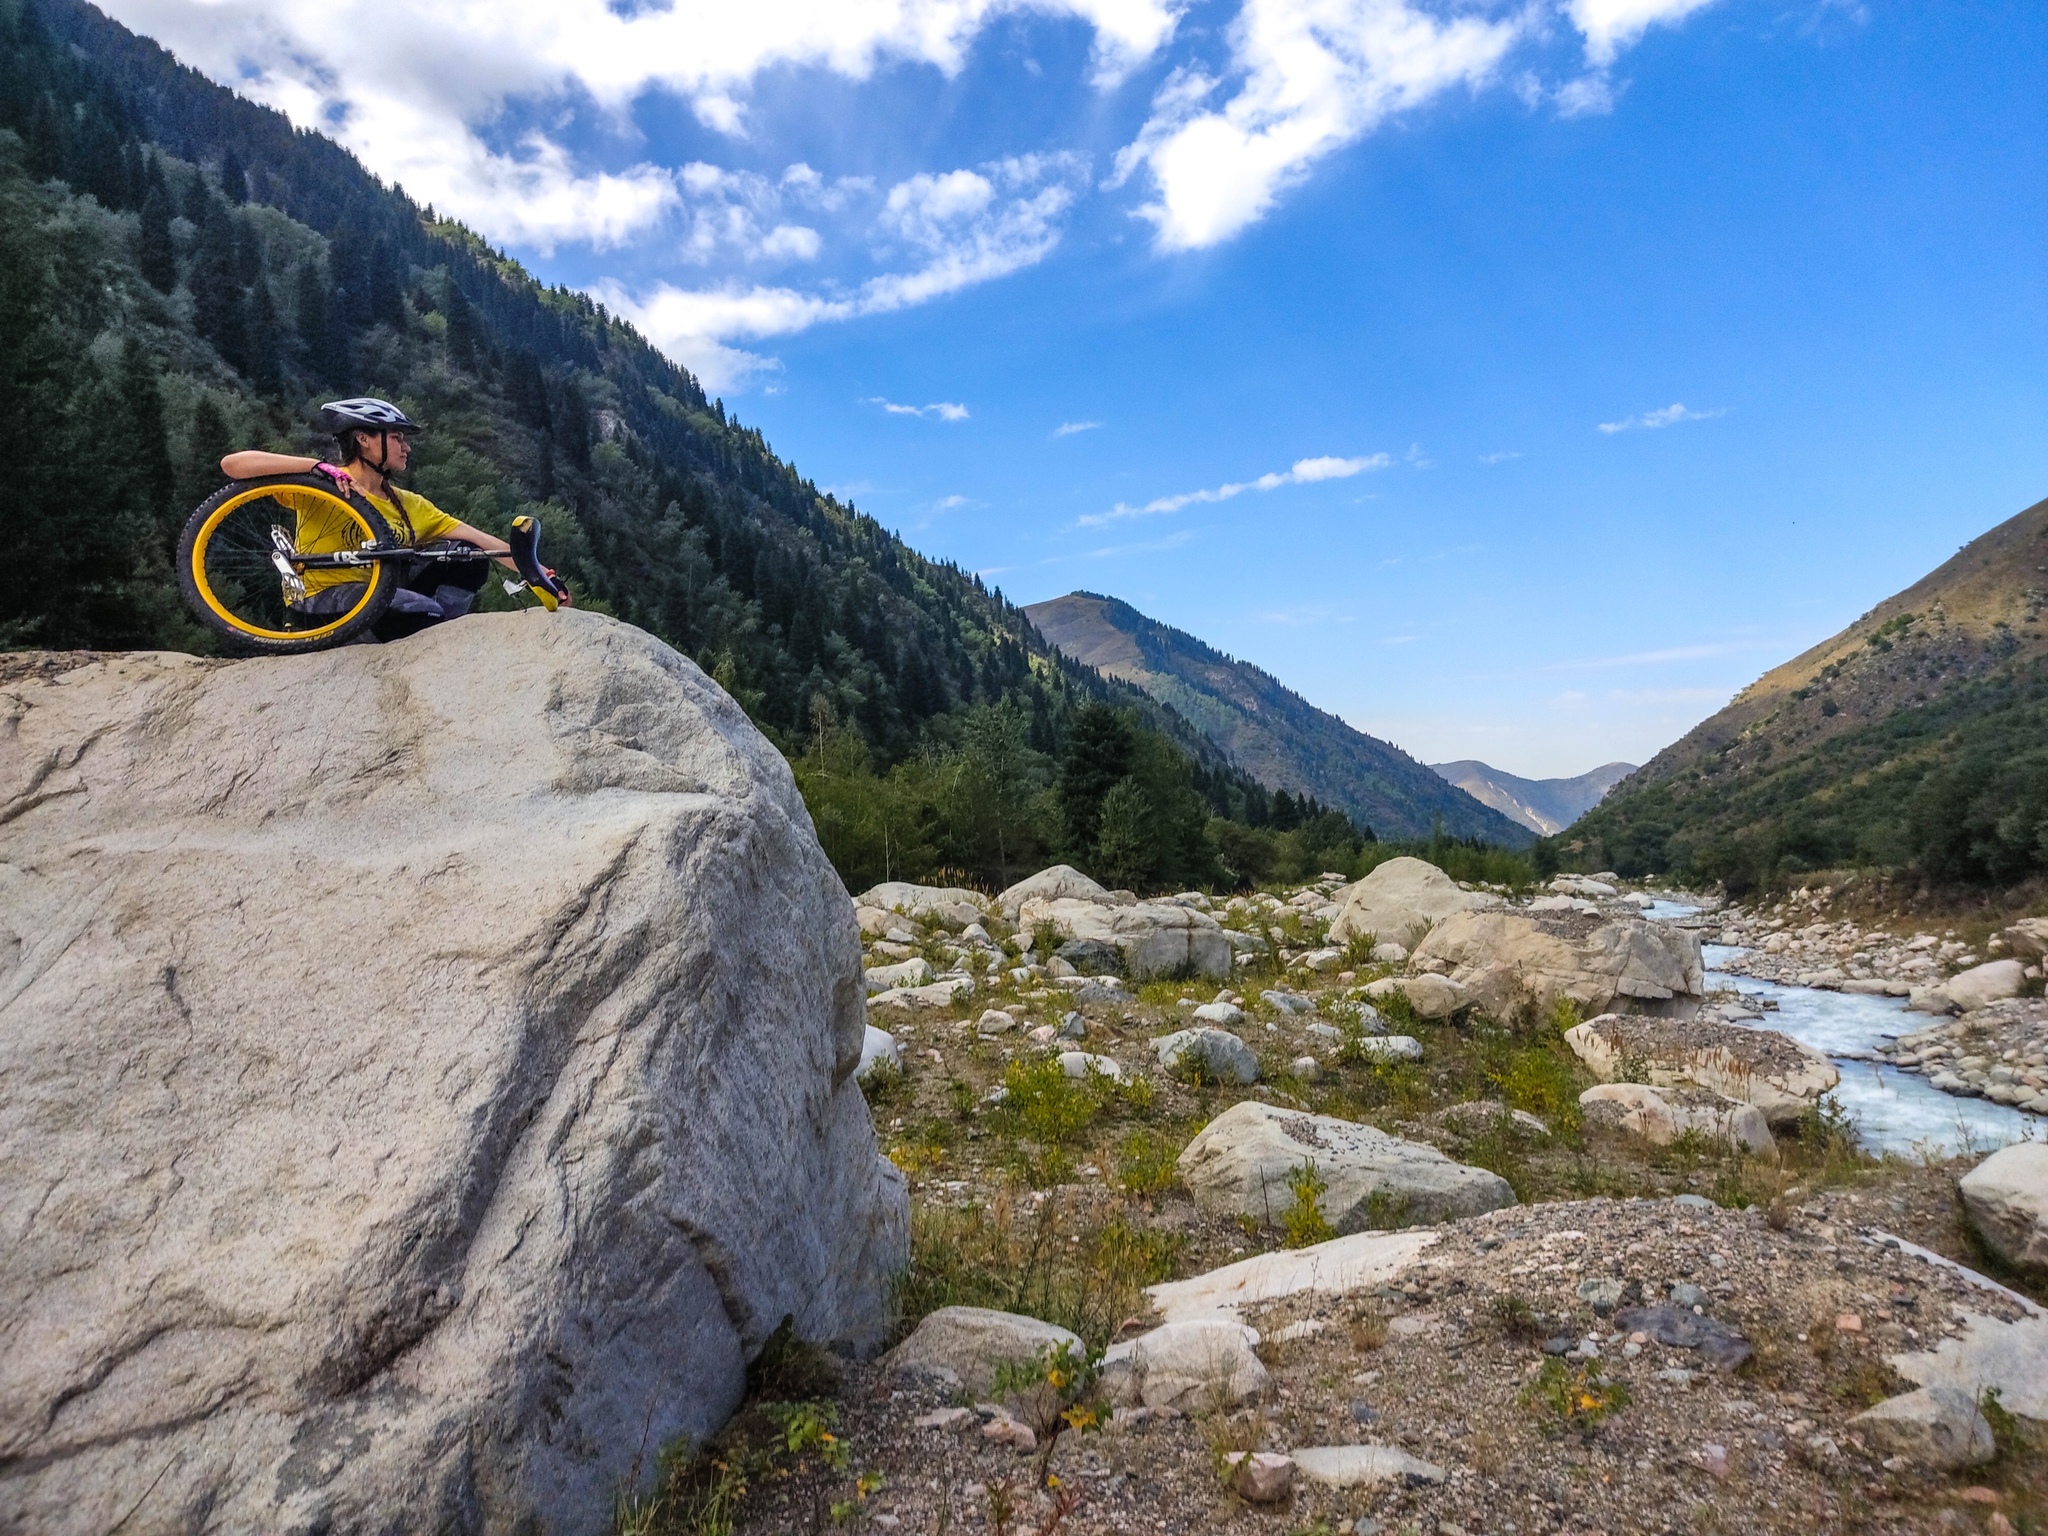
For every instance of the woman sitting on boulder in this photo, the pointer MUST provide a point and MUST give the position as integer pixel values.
(376, 443)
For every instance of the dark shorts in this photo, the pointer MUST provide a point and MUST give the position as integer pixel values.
(429, 592)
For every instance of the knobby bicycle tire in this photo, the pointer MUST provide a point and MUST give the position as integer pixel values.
(227, 568)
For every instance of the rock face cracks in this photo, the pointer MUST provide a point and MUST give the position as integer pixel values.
(428, 1080)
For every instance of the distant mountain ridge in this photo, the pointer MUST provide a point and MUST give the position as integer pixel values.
(1917, 738)
(1265, 728)
(1542, 805)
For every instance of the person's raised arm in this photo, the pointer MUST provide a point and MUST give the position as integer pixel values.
(253, 464)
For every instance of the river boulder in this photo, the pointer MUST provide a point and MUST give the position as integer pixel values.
(429, 1081)
(1510, 963)
(1152, 938)
(949, 906)
(1774, 1072)
(1062, 881)
(1400, 901)
(1240, 1163)
(1982, 985)
(2006, 1196)
(1661, 1115)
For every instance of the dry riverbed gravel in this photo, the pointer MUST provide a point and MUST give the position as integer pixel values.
(1479, 1361)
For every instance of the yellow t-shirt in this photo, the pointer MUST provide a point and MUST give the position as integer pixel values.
(323, 528)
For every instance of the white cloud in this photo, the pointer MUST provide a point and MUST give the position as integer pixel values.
(426, 104)
(1499, 458)
(1588, 96)
(1069, 428)
(1303, 472)
(1666, 416)
(956, 229)
(1316, 75)
(944, 410)
(1612, 25)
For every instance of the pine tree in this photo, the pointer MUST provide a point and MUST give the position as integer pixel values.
(261, 342)
(461, 327)
(386, 298)
(319, 326)
(209, 444)
(46, 146)
(144, 456)
(216, 295)
(528, 391)
(1123, 852)
(1099, 750)
(157, 256)
(234, 180)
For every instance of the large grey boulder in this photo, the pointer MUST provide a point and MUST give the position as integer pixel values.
(1062, 881)
(1240, 1162)
(965, 1345)
(905, 973)
(1401, 901)
(1154, 938)
(1430, 995)
(429, 1078)
(1661, 1115)
(2007, 1198)
(1776, 1073)
(951, 906)
(1982, 985)
(1507, 962)
(1200, 1366)
(1222, 1055)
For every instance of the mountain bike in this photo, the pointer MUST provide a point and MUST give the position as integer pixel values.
(243, 572)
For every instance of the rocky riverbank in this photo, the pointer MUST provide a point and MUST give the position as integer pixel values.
(1639, 1308)
(1992, 1038)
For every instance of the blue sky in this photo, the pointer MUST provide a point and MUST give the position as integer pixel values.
(1515, 380)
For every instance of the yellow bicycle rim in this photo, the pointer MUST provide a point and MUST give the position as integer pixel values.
(234, 620)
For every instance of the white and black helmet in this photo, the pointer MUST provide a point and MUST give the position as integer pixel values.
(364, 415)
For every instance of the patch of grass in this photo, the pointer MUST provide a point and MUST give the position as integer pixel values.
(1145, 1163)
(886, 1086)
(1512, 1314)
(699, 1491)
(1045, 1260)
(1368, 1327)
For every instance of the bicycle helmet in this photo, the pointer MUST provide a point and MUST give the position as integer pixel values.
(364, 415)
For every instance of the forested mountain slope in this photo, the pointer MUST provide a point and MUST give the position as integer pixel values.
(1267, 729)
(182, 272)
(1917, 738)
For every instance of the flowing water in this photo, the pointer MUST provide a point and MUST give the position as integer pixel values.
(1893, 1111)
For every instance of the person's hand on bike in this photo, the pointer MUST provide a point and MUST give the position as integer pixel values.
(337, 474)
(561, 587)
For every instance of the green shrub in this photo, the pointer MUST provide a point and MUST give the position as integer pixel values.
(1303, 1220)
(1146, 1163)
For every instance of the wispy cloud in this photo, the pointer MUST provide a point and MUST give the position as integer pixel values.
(1069, 428)
(1302, 472)
(952, 231)
(953, 503)
(1307, 614)
(943, 410)
(1497, 458)
(1664, 657)
(1667, 416)
(1417, 459)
